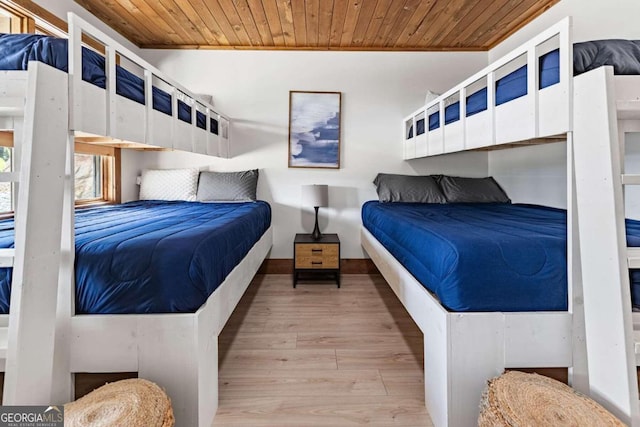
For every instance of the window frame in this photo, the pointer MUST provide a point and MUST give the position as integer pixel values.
(110, 158)
(21, 22)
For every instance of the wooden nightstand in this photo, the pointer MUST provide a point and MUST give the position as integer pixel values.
(316, 257)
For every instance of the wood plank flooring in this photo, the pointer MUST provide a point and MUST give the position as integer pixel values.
(321, 356)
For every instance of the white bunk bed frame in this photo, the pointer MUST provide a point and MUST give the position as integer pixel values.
(46, 341)
(462, 350)
(607, 107)
(543, 115)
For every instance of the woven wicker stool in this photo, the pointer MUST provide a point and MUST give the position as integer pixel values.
(521, 399)
(127, 403)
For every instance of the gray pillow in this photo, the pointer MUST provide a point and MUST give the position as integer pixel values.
(227, 186)
(472, 190)
(408, 188)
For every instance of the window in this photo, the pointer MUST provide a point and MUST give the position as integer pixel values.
(5, 187)
(12, 21)
(28, 17)
(97, 177)
(88, 171)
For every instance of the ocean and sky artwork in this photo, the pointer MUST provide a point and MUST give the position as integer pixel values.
(314, 129)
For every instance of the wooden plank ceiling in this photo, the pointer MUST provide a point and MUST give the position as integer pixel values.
(317, 24)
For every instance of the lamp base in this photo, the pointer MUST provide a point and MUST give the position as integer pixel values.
(316, 235)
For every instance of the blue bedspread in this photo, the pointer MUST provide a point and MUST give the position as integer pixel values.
(482, 257)
(154, 256)
(16, 50)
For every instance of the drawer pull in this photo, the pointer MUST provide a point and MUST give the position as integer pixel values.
(316, 250)
(316, 262)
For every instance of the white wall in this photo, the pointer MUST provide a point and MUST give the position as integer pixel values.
(538, 174)
(534, 174)
(378, 90)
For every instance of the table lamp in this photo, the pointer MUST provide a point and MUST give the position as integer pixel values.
(316, 196)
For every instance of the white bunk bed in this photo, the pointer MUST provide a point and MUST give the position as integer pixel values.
(607, 107)
(541, 114)
(462, 350)
(47, 342)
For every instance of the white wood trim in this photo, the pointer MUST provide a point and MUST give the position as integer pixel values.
(464, 350)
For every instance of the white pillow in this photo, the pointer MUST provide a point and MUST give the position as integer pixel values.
(169, 184)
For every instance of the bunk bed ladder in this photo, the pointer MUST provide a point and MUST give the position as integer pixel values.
(598, 156)
(41, 139)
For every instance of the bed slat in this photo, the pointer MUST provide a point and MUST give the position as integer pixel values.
(633, 257)
(12, 106)
(6, 257)
(9, 176)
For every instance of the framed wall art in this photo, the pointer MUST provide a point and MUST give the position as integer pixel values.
(314, 129)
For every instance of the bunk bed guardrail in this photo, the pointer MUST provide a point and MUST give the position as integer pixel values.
(124, 116)
(540, 112)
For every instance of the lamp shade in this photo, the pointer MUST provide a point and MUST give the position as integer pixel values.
(315, 195)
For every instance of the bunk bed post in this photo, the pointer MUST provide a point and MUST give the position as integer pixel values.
(579, 369)
(110, 71)
(174, 114)
(30, 362)
(532, 88)
(63, 377)
(491, 105)
(456, 367)
(148, 105)
(463, 115)
(75, 71)
(177, 370)
(578, 372)
(223, 137)
(601, 222)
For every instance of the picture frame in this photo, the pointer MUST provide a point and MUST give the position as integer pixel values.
(314, 129)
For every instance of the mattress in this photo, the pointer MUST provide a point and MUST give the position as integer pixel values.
(16, 50)
(483, 257)
(154, 256)
(623, 55)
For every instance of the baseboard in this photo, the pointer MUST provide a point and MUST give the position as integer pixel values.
(276, 266)
(347, 266)
(358, 266)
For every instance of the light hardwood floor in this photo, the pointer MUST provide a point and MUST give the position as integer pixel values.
(321, 356)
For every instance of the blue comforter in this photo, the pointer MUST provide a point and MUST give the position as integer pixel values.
(154, 256)
(482, 257)
(16, 50)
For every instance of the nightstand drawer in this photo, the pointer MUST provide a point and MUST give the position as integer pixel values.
(317, 256)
